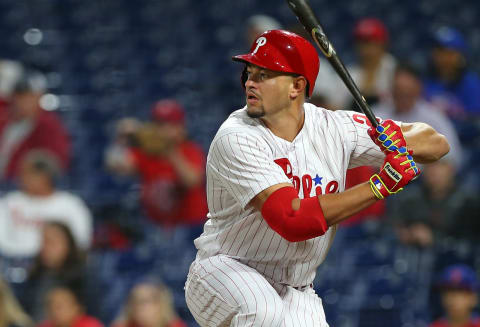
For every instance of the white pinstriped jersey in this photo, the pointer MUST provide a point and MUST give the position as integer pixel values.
(245, 158)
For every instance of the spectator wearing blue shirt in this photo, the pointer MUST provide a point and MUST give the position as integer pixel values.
(451, 85)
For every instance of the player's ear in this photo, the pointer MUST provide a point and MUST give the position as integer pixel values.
(299, 85)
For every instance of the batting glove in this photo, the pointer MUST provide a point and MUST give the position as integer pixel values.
(397, 171)
(388, 136)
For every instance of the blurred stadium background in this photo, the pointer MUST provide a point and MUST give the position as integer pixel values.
(108, 59)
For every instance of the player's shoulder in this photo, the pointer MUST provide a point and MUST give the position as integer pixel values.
(239, 123)
(327, 116)
(237, 133)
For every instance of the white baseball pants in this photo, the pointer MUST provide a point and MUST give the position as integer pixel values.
(220, 291)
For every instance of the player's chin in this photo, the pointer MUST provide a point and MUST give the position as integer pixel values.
(255, 112)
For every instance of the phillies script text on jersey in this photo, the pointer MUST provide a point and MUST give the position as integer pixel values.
(306, 181)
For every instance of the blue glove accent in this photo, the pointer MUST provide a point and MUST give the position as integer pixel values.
(393, 148)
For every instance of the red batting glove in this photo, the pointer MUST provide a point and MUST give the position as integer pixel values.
(388, 136)
(397, 171)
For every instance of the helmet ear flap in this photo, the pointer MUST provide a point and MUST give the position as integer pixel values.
(244, 76)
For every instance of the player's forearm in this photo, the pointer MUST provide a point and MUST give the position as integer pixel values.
(427, 144)
(301, 219)
(340, 206)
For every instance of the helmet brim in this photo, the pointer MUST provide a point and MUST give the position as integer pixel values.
(254, 60)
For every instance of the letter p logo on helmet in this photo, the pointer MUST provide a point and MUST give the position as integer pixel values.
(261, 41)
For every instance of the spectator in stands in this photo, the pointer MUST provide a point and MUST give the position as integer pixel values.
(171, 167)
(258, 24)
(149, 305)
(27, 126)
(10, 72)
(407, 105)
(459, 287)
(435, 208)
(65, 309)
(11, 314)
(59, 261)
(451, 84)
(373, 73)
(125, 131)
(23, 212)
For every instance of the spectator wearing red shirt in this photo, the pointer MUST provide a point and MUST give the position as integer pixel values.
(171, 167)
(459, 286)
(65, 310)
(25, 126)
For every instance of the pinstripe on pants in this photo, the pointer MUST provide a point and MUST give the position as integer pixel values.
(220, 291)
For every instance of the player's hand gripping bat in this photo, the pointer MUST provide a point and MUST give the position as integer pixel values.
(305, 15)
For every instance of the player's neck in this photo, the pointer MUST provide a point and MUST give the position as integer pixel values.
(287, 123)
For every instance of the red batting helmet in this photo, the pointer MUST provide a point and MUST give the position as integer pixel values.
(284, 51)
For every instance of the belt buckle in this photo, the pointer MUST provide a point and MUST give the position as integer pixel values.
(303, 288)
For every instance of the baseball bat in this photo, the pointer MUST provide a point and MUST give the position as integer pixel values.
(307, 18)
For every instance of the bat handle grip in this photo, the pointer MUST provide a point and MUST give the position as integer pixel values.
(371, 117)
(366, 110)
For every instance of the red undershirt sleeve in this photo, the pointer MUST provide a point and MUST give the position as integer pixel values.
(305, 223)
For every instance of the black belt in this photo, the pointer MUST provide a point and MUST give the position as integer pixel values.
(302, 288)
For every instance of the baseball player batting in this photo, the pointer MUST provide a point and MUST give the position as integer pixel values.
(276, 189)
